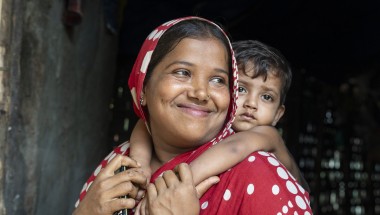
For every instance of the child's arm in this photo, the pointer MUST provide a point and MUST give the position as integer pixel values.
(237, 147)
(141, 147)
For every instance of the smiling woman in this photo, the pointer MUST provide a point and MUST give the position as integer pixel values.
(192, 88)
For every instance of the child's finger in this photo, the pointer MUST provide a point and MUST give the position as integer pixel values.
(205, 185)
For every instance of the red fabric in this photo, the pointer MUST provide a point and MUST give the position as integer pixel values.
(257, 185)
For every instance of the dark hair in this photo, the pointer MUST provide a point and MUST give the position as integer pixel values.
(265, 59)
(192, 28)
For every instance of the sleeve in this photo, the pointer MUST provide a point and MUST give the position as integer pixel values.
(260, 184)
(122, 149)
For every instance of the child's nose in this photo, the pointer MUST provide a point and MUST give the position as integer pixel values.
(250, 103)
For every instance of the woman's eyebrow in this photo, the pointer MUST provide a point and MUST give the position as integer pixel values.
(222, 71)
(191, 64)
(179, 62)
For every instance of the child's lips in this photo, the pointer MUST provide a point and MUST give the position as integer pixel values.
(247, 116)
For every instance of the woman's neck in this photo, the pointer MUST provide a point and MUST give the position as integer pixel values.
(163, 153)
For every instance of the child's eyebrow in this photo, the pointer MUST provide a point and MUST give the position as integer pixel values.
(271, 89)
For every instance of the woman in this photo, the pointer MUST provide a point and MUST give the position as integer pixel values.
(186, 92)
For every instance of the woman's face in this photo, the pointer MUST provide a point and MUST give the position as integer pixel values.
(187, 95)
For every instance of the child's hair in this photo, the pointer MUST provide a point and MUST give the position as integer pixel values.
(265, 59)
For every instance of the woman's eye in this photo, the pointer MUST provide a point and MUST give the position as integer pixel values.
(218, 80)
(242, 90)
(182, 72)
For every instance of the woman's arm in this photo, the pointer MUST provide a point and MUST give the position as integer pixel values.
(141, 147)
(236, 147)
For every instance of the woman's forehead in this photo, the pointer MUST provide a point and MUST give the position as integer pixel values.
(192, 51)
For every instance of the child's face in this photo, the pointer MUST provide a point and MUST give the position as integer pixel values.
(258, 102)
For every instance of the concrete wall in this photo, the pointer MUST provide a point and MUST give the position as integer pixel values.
(55, 108)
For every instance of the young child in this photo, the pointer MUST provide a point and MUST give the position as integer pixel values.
(264, 79)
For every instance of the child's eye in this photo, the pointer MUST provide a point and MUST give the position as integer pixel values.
(242, 90)
(267, 97)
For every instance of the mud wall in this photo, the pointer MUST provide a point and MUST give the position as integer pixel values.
(55, 109)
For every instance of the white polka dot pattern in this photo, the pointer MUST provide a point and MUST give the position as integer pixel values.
(300, 202)
(273, 161)
(282, 173)
(227, 195)
(251, 158)
(291, 187)
(250, 189)
(263, 153)
(204, 205)
(284, 209)
(275, 189)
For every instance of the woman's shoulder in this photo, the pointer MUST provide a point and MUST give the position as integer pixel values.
(262, 179)
(265, 167)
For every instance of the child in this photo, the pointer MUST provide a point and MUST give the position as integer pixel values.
(264, 79)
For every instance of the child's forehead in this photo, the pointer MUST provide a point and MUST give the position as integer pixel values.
(249, 70)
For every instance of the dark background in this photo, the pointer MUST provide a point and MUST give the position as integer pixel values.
(332, 115)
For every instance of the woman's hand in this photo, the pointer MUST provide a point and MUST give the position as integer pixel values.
(103, 195)
(174, 193)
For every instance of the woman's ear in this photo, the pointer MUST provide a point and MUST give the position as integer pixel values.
(279, 114)
(143, 98)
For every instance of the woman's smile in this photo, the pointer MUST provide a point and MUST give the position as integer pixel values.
(194, 110)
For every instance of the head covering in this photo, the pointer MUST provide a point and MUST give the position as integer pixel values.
(138, 73)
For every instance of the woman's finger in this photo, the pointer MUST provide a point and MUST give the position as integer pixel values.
(205, 185)
(122, 184)
(144, 209)
(138, 209)
(160, 185)
(151, 192)
(184, 172)
(122, 203)
(122, 189)
(170, 178)
(115, 164)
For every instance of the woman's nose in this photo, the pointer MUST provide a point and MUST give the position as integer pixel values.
(199, 91)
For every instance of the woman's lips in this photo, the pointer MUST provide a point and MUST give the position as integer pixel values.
(195, 110)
